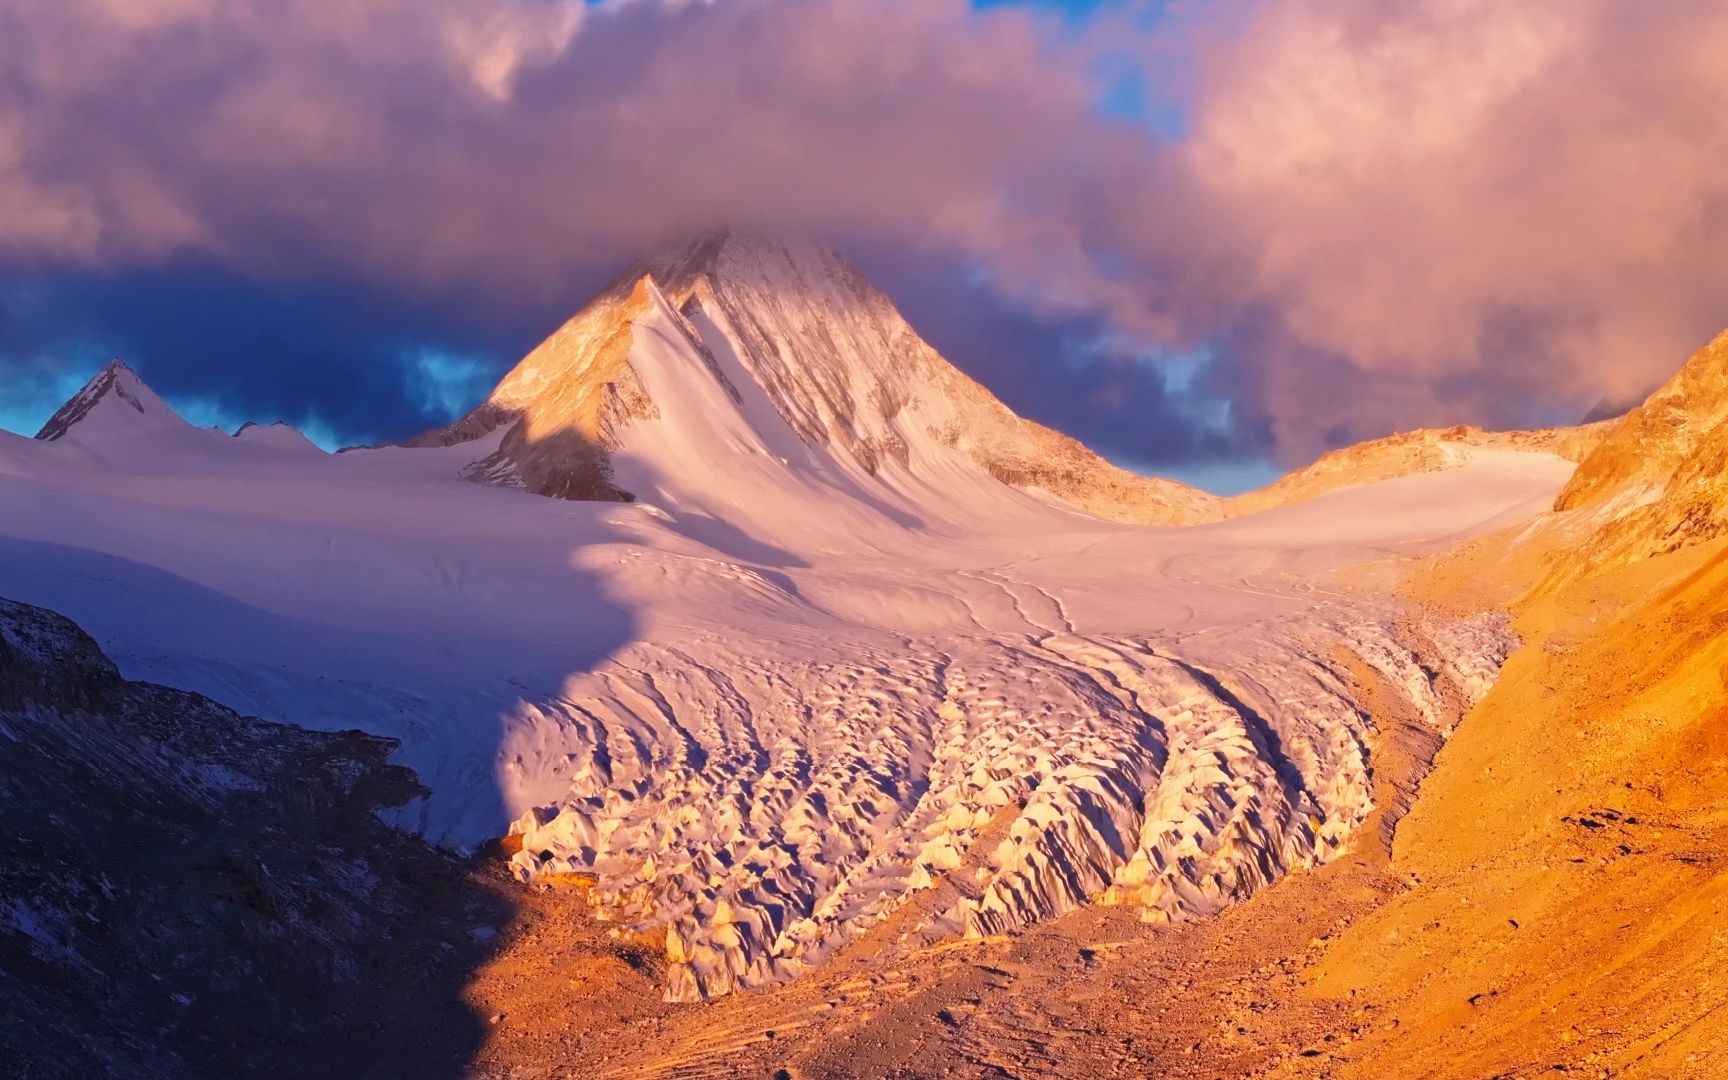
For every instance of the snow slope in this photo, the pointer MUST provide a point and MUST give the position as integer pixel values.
(1409, 453)
(764, 707)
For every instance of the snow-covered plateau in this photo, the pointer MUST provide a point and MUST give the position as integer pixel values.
(856, 634)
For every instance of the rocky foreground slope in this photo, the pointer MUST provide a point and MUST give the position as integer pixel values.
(185, 891)
(1568, 904)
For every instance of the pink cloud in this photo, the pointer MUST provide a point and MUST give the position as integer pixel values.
(1478, 205)
(1497, 211)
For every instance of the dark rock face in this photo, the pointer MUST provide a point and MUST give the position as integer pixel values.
(185, 891)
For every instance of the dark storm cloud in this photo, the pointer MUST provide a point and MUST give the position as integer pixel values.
(361, 365)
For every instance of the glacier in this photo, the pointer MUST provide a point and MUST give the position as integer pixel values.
(819, 650)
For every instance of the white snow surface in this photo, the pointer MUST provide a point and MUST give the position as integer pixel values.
(767, 707)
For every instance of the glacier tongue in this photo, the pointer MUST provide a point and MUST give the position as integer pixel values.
(759, 812)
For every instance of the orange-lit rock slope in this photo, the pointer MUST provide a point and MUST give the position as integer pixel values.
(1568, 910)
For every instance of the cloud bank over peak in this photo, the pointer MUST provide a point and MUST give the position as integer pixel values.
(1479, 207)
(448, 140)
(1371, 216)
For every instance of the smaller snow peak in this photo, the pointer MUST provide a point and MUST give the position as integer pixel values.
(254, 427)
(117, 383)
(281, 435)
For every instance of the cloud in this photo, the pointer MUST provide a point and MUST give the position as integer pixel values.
(1495, 210)
(443, 140)
(1370, 215)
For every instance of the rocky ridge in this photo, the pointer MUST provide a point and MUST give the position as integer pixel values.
(1410, 454)
(187, 891)
(280, 435)
(1658, 480)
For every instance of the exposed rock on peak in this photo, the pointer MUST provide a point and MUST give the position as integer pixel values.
(564, 405)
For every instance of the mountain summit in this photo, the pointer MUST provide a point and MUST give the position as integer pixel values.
(747, 361)
(115, 397)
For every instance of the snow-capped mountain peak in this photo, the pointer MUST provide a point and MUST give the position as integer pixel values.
(739, 367)
(114, 400)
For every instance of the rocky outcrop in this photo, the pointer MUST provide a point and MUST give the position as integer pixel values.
(189, 892)
(1645, 449)
(1658, 481)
